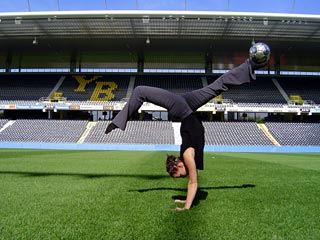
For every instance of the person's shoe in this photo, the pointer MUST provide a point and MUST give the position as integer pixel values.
(110, 127)
(256, 66)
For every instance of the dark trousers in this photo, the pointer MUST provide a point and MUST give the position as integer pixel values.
(181, 106)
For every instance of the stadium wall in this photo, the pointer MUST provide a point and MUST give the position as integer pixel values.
(154, 147)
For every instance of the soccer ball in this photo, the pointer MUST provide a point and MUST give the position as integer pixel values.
(259, 52)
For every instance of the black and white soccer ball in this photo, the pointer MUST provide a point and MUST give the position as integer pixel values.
(259, 52)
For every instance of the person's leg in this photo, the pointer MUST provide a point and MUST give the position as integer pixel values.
(176, 105)
(237, 76)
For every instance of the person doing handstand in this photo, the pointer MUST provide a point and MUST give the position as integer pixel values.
(183, 107)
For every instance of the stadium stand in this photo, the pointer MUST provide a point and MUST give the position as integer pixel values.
(113, 88)
(51, 131)
(26, 87)
(178, 84)
(258, 105)
(260, 91)
(3, 122)
(138, 132)
(159, 132)
(307, 88)
(95, 88)
(295, 134)
(234, 133)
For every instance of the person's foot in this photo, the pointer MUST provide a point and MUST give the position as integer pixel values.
(256, 66)
(110, 127)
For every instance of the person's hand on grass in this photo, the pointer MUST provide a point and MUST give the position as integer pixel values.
(180, 209)
(180, 201)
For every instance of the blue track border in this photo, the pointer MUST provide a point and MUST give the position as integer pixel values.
(153, 147)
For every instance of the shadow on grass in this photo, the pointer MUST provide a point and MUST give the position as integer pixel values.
(84, 175)
(200, 188)
(201, 194)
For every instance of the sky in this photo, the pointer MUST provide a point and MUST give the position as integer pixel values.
(270, 6)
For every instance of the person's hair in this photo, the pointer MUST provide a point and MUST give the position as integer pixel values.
(171, 164)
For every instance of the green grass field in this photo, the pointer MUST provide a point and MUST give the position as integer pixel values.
(49, 194)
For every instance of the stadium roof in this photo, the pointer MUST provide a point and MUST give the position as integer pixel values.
(180, 26)
(274, 6)
(220, 27)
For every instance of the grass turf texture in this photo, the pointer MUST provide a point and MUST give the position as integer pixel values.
(128, 195)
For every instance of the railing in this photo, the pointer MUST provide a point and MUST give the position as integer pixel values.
(47, 99)
(303, 103)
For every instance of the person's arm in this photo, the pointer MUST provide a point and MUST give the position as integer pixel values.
(190, 164)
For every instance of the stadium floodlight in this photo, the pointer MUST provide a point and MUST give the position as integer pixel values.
(265, 21)
(35, 41)
(52, 18)
(145, 20)
(18, 20)
(253, 42)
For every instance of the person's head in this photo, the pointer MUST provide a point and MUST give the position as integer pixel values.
(175, 167)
